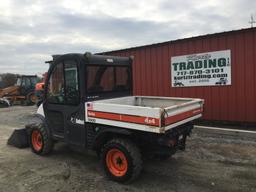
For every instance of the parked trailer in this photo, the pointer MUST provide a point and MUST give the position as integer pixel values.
(88, 104)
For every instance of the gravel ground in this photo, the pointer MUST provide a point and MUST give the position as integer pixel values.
(211, 162)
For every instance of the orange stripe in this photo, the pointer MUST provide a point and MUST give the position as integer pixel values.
(126, 118)
(182, 116)
(144, 120)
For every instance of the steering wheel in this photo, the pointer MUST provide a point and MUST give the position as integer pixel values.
(71, 94)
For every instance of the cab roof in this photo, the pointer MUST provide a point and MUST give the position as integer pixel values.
(95, 59)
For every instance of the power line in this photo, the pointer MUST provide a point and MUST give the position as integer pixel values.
(252, 21)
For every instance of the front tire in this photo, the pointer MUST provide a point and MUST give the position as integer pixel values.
(40, 140)
(4, 103)
(121, 160)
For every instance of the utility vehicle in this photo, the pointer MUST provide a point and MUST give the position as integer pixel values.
(88, 103)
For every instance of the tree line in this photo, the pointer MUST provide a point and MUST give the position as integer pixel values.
(7, 79)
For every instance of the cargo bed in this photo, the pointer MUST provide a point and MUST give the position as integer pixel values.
(146, 113)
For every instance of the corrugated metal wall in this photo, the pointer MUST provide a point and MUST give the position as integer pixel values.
(152, 76)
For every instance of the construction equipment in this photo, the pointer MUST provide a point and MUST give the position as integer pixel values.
(23, 91)
(39, 90)
(88, 104)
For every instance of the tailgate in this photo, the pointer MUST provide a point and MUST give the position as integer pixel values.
(182, 113)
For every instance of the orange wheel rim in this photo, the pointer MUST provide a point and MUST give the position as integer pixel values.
(37, 140)
(116, 162)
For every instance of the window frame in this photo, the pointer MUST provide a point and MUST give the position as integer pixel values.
(62, 62)
(78, 81)
(48, 82)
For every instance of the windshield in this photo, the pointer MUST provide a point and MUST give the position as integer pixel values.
(102, 79)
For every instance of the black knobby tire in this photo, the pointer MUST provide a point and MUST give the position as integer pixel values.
(132, 154)
(46, 140)
(31, 99)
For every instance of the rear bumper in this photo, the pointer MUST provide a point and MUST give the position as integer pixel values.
(171, 141)
(176, 137)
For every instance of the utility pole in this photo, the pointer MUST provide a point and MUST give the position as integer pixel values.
(252, 21)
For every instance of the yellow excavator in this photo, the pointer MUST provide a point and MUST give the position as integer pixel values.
(23, 91)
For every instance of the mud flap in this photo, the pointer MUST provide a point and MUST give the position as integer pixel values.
(19, 138)
(182, 142)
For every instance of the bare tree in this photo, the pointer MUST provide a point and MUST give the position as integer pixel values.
(8, 79)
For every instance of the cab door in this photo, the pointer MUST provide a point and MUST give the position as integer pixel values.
(63, 106)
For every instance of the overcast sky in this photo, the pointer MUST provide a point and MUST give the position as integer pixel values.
(32, 30)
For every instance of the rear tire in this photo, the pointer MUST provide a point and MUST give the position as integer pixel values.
(121, 160)
(41, 142)
(31, 99)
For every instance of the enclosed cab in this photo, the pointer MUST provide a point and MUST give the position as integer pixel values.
(89, 104)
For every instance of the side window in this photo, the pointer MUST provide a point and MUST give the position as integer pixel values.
(71, 82)
(28, 83)
(55, 93)
(122, 78)
(102, 79)
(34, 81)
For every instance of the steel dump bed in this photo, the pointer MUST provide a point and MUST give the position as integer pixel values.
(145, 113)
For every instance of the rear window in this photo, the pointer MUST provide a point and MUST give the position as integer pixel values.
(34, 81)
(107, 79)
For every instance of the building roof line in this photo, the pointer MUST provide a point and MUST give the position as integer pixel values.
(182, 39)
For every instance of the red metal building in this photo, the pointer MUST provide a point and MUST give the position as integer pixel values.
(235, 102)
